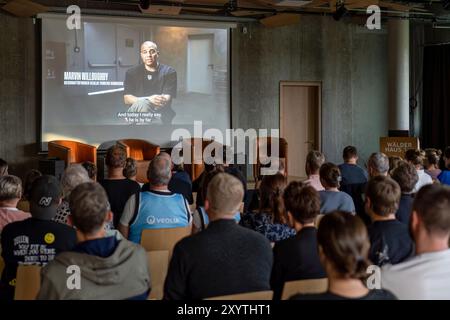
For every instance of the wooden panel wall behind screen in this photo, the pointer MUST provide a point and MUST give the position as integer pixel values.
(300, 122)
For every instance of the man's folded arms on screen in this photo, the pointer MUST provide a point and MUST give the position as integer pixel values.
(159, 100)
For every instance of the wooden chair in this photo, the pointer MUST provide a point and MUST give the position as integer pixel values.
(257, 295)
(163, 239)
(28, 282)
(143, 152)
(72, 151)
(263, 145)
(158, 263)
(304, 286)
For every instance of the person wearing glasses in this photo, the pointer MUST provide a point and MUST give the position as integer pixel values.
(151, 86)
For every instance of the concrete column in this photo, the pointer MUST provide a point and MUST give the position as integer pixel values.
(398, 74)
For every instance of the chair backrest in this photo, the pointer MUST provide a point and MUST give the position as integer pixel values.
(140, 149)
(197, 147)
(164, 238)
(263, 146)
(72, 151)
(304, 286)
(28, 282)
(257, 295)
(158, 263)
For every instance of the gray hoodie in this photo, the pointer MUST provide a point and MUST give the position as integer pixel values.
(122, 275)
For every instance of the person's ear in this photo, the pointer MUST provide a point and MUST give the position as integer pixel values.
(109, 216)
(69, 220)
(206, 204)
(415, 222)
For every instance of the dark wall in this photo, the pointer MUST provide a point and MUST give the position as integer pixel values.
(18, 111)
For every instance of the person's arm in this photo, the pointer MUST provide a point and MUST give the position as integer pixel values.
(129, 99)
(127, 216)
(169, 90)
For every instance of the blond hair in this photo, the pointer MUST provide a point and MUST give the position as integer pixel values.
(225, 193)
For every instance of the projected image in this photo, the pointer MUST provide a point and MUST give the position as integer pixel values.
(120, 78)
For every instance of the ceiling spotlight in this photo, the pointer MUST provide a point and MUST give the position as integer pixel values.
(145, 4)
(342, 11)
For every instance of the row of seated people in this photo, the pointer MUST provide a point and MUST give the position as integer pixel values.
(378, 205)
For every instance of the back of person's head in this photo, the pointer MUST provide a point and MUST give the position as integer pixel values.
(116, 156)
(384, 194)
(344, 245)
(89, 207)
(378, 164)
(3, 167)
(330, 175)
(416, 157)
(432, 157)
(45, 196)
(159, 171)
(271, 197)
(224, 196)
(314, 160)
(10, 188)
(29, 178)
(349, 152)
(394, 162)
(130, 169)
(406, 176)
(302, 201)
(91, 169)
(432, 206)
(74, 175)
(207, 179)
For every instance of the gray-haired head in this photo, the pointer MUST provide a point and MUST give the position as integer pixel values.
(74, 175)
(10, 188)
(159, 171)
(378, 164)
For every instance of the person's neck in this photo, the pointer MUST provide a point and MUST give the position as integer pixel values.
(152, 68)
(376, 217)
(299, 226)
(429, 244)
(82, 237)
(351, 161)
(214, 216)
(115, 174)
(159, 188)
(313, 174)
(9, 203)
(334, 189)
(350, 288)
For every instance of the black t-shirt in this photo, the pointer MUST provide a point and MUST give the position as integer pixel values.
(119, 191)
(32, 241)
(403, 213)
(142, 83)
(376, 294)
(390, 242)
(352, 174)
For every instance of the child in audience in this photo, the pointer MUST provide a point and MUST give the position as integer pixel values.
(417, 158)
(331, 198)
(433, 156)
(389, 238)
(314, 160)
(444, 177)
(343, 249)
(297, 258)
(271, 219)
(406, 176)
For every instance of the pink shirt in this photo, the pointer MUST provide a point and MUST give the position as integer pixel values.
(314, 181)
(8, 215)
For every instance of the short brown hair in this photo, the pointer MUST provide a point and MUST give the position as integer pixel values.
(271, 197)
(330, 174)
(349, 152)
(416, 157)
(394, 162)
(384, 194)
(116, 156)
(130, 169)
(345, 243)
(432, 205)
(91, 169)
(432, 156)
(406, 176)
(225, 193)
(314, 160)
(88, 207)
(10, 188)
(302, 201)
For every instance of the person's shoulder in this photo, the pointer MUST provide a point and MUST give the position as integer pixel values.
(314, 296)
(164, 68)
(135, 70)
(380, 294)
(15, 226)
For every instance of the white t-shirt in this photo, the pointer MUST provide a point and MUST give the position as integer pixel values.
(423, 277)
(424, 179)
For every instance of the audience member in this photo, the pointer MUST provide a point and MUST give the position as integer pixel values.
(157, 208)
(74, 175)
(432, 158)
(109, 269)
(31, 175)
(331, 198)
(378, 164)
(91, 169)
(297, 258)
(271, 219)
(427, 275)
(314, 160)
(223, 259)
(390, 241)
(3, 168)
(36, 240)
(118, 188)
(130, 169)
(406, 176)
(416, 158)
(10, 194)
(394, 162)
(444, 177)
(343, 249)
